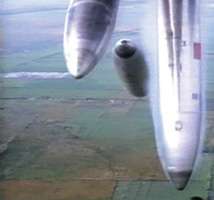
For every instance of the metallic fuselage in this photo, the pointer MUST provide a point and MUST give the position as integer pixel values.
(179, 87)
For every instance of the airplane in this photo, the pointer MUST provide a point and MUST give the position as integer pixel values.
(178, 103)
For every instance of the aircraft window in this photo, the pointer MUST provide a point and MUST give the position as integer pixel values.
(184, 43)
(178, 125)
(195, 96)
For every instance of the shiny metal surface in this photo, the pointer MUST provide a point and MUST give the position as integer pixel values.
(88, 28)
(131, 67)
(179, 88)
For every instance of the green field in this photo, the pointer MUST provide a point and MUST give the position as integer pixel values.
(87, 139)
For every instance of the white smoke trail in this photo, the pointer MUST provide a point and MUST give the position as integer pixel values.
(35, 75)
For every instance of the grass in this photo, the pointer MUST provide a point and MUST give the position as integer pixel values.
(57, 141)
(81, 190)
(63, 142)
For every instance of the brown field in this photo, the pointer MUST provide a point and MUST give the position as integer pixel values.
(73, 190)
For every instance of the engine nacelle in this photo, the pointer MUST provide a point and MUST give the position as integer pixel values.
(88, 28)
(131, 67)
